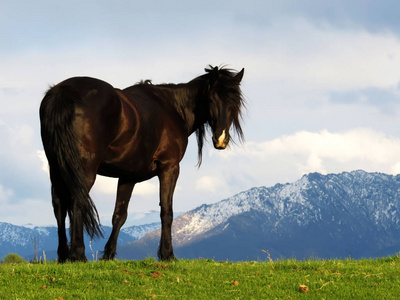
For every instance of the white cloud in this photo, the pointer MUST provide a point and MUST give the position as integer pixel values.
(43, 159)
(146, 188)
(28, 210)
(290, 156)
(358, 144)
(20, 162)
(5, 194)
(290, 51)
(295, 55)
(105, 185)
(210, 184)
(108, 186)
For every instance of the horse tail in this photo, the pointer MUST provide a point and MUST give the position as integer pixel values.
(59, 139)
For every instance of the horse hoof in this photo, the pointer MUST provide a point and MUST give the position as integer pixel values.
(106, 258)
(78, 259)
(62, 260)
(170, 257)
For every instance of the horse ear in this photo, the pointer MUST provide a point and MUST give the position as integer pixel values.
(214, 74)
(239, 75)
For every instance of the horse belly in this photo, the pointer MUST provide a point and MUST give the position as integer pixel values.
(137, 165)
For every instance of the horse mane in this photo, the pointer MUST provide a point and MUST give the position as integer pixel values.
(145, 82)
(223, 81)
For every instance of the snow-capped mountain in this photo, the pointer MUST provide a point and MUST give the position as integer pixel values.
(21, 239)
(138, 231)
(354, 214)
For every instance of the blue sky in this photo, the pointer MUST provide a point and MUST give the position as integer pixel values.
(321, 81)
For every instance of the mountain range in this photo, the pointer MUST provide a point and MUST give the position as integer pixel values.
(343, 215)
(351, 214)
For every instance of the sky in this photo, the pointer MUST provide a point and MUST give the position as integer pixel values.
(321, 82)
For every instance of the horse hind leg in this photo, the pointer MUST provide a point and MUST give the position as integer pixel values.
(60, 212)
(77, 249)
(124, 193)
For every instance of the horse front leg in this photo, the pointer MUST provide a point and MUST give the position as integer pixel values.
(124, 193)
(168, 178)
(60, 212)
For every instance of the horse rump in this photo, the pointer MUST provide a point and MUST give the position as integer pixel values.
(57, 113)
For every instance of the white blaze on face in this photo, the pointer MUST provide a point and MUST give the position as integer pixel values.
(221, 139)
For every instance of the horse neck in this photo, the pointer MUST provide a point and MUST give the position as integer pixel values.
(186, 99)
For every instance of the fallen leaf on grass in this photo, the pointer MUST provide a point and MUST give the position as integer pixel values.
(52, 278)
(235, 282)
(43, 287)
(303, 288)
(155, 274)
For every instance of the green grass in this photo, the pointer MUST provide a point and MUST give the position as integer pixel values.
(203, 279)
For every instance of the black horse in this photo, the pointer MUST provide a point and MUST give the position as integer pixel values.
(88, 128)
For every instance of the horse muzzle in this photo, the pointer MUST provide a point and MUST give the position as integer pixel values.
(221, 142)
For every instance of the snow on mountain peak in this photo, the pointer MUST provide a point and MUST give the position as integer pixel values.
(293, 191)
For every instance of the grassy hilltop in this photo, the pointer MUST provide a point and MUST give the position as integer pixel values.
(203, 279)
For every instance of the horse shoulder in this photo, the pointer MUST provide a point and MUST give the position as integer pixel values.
(173, 143)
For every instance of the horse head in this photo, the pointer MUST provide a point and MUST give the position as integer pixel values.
(225, 104)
